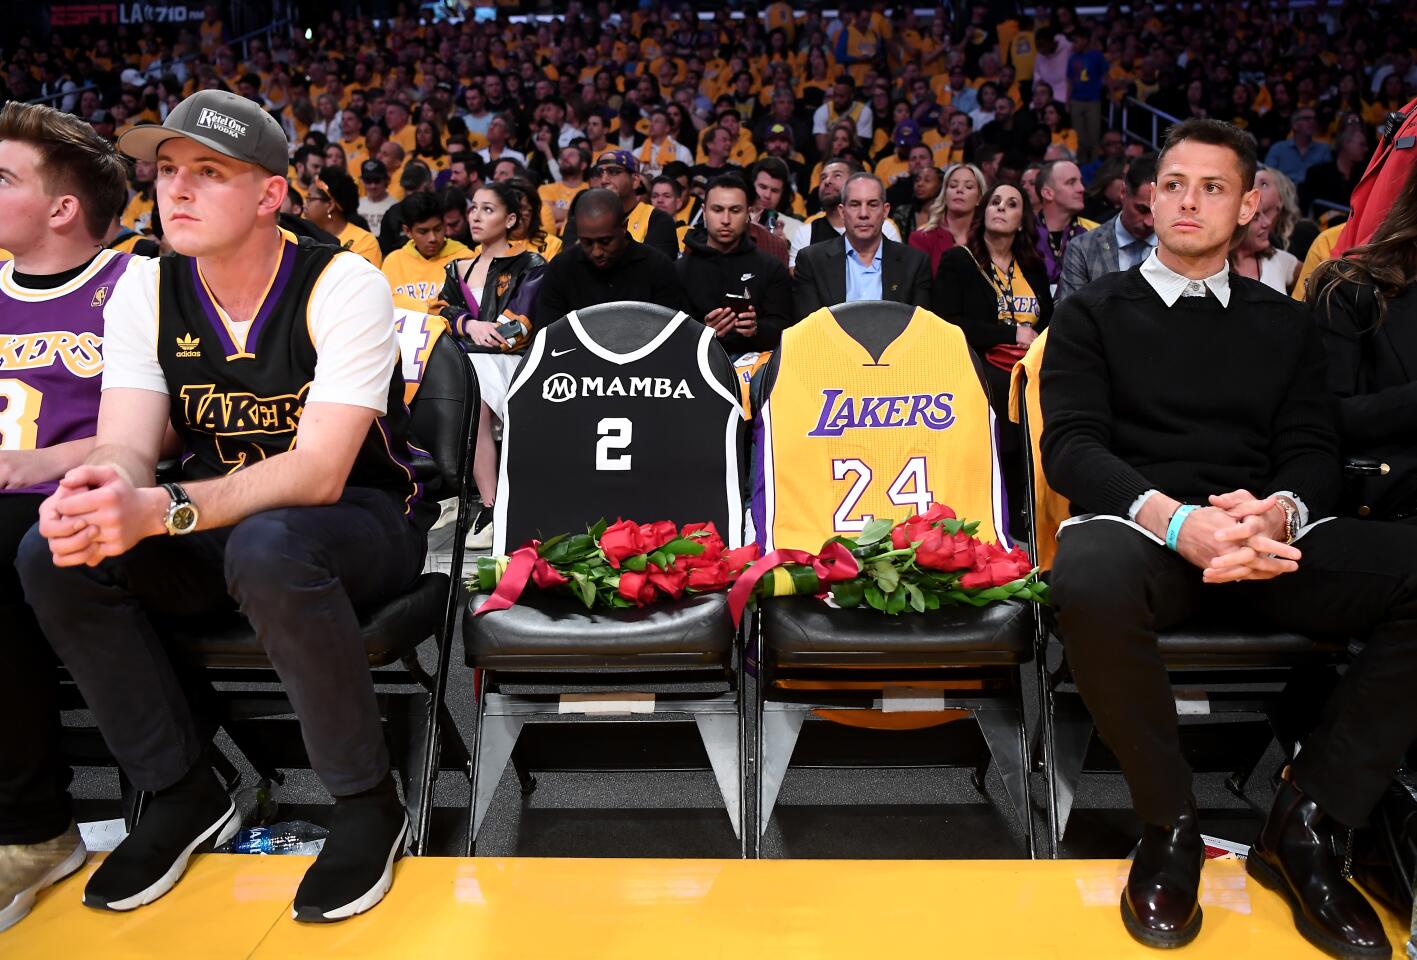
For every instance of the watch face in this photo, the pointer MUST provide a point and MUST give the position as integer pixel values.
(184, 518)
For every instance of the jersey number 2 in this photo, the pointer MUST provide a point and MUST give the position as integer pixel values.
(917, 497)
(615, 434)
(19, 421)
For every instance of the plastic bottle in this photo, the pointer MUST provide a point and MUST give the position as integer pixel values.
(294, 837)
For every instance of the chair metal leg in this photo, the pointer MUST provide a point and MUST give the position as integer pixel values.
(740, 679)
(473, 766)
(497, 734)
(1047, 734)
(1002, 726)
(719, 732)
(759, 824)
(1027, 771)
(780, 725)
(1072, 732)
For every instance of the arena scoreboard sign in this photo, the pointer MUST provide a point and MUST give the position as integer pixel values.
(113, 14)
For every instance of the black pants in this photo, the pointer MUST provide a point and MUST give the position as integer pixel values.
(297, 574)
(34, 782)
(1011, 452)
(1113, 589)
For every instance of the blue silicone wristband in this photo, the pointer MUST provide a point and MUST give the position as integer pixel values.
(1173, 529)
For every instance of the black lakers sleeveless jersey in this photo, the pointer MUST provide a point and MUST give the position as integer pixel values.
(235, 404)
(649, 435)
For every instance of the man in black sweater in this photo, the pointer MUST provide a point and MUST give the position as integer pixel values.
(605, 265)
(720, 258)
(1185, 407)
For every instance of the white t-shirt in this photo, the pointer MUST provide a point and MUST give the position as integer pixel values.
(351, 322)
(374, 210)
(863, 121)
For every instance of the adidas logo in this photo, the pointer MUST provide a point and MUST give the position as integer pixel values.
(187, 346)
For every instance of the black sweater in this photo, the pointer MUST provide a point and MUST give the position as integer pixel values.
(571, 282)
(963, 295)
(1192, 400)
(707, 275)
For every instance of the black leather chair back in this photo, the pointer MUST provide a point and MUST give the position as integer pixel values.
(441, 415)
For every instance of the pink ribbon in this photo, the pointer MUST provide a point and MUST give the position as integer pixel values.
(835, 563)
(525, 564)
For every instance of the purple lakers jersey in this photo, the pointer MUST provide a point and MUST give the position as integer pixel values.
(51, 355)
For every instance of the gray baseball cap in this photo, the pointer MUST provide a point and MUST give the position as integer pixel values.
(232, 126)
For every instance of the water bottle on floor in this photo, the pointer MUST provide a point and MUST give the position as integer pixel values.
(295, 837)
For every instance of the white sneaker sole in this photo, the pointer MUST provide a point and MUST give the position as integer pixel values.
(370, 899)
(223, 830)
(18, 908)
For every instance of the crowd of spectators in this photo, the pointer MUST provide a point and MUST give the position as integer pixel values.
(695, 94)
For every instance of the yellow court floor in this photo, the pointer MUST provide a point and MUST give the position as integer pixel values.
(528, 909)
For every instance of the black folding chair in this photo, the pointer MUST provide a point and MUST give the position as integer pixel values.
(803, 645)
(1228, 671)
(548, 656)
(417, 723)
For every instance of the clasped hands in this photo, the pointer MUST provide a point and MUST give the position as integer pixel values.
(1237, 537)
(97, 513)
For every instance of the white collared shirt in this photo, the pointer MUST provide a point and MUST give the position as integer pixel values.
(1170, 286)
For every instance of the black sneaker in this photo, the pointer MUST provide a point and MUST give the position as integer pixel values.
(195, 814)
(355, 867)
(480, 536)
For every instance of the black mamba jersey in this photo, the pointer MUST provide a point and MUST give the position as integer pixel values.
(235, 405)
(648, 435)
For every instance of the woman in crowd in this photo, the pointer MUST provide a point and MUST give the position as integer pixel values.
(1060, 131)
(841, 141)
(488, 299)
(1290, 230)
(926, 187)
(1366, 304)
(531, 229)
(428, 147)
(1258, 258)
(951, 215)
(995, 288)
(333, 205)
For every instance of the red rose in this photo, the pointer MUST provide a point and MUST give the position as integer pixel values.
(636, 587)
(655, 535)
(708, 579)
(621, 540)
(670, 581)
(735, 560)
(712, 544)
(940, 552)
(994, 566)
(938, 512)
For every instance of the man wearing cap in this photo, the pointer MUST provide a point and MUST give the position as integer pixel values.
(892, 168)
(618, 171)
(277, 364)
(376, 200)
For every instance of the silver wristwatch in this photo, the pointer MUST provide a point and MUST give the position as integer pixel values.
(182, 513)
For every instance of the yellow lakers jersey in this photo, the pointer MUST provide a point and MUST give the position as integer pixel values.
(417, 332)
(843, 438)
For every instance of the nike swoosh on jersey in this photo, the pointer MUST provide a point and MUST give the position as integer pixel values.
(562, 353)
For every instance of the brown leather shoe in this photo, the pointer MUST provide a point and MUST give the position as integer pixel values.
(1293, 857)
(1160, 905)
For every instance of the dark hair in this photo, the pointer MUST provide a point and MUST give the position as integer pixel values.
(1141, 172)
(853, 162)
(1024, 248)
(599, 201)
(436, 149)
(73, 160)
(452, 198)
(729, 181)
(674, 184)
(1216, 133)
(305, 152)
(536, 232)
(472, 162)
(507, 196)
(344, 194)
(420, 206)
(676, 168)
(518, 168)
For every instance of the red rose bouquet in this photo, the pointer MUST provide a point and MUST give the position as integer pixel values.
(624, 564)
(929, 561)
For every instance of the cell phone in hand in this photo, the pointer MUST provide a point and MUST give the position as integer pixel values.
(737, 302)
(512, 332)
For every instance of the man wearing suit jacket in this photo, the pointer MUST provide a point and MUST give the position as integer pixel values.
(1120, 243)
(863, 265)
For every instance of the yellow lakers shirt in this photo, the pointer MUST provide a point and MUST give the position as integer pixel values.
(844, 438)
